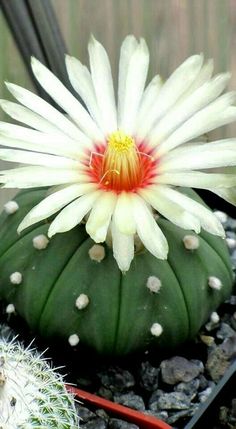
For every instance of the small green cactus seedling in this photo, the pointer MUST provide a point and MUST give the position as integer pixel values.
(32, 394)
(72, 288)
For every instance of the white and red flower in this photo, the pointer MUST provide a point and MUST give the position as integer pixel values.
(116, 164)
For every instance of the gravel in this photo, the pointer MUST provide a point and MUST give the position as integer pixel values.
(179, 369)
(169, 387)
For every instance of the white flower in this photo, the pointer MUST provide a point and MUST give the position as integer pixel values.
(117, 165)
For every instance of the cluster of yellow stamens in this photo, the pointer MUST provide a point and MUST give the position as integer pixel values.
(120, 142)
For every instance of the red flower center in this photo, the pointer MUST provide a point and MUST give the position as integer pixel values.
(121, 164)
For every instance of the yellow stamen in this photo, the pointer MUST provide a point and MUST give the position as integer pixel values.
(120, 142)
(121, 161)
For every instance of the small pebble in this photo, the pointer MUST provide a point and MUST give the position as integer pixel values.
(117, 379)
(149, 376)
(105, 393)
(203, 382)
(130, 400)
(161, 415)
(231, 224)
(231, 242)
(85, 414)
(121, 424)
(225, 331)
(207, 339)
(102, 414)
(179, 369)
(204, 394)
(217, 363)
(190, 388)
(174, 417)
(230, 234)
(6, 332)
(173, 401)
(97, 423)
(154, 397)
(229, 347)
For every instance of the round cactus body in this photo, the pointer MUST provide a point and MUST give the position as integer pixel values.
(32, 394)
(70, 287)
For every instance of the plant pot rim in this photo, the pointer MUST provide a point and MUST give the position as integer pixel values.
(143, 420)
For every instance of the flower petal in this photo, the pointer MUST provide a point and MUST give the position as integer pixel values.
(157, 198)
(100, 234)
(207, 219)
(228, 194)
(148, 230)
(73, 214)
(135, 81)
(100, 215)
(31, 177)
(103, 84)
(149, 98)
(65, 99)
(26, 116)
(81, 80)
(203, 76)
(123, 214)
(196, 179)
(34, 158)
(213, 116)
(171, 91)
(54, 202)
(209, 155)
(25, 138)
(127, 49)
(123, 248)
(47, 146)
(196, 101)
(44, 109)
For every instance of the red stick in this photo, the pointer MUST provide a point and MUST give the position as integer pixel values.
(144, 421)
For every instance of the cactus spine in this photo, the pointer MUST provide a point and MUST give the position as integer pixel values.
(32, 394)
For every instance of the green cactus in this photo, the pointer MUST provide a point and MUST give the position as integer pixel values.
(32, 394)
(71, 288)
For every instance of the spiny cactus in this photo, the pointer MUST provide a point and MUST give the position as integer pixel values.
(71, 288)
(32, 394)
